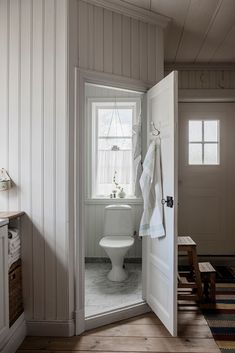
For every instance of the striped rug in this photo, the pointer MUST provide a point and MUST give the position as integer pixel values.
(221, 317)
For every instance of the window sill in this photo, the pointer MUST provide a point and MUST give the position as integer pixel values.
(107, 201)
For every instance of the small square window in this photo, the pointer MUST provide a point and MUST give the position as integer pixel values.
(203, 141)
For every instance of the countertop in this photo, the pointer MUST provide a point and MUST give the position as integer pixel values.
(3, 222)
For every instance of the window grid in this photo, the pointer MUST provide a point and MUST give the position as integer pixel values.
(202, 142)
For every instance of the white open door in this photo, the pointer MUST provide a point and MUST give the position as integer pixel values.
(160, 254)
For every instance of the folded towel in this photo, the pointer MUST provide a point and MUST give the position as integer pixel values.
(13, 244)
(13, 258)
(13, 233)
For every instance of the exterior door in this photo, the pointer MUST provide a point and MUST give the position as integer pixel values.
(160, 254)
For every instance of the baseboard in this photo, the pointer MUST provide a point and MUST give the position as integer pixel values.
(116, 315)
(51, 328)
(15, 337)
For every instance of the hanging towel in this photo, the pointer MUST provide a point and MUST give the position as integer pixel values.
(136, 141)
(151, 186)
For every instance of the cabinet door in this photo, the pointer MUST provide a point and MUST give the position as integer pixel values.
(4, 300)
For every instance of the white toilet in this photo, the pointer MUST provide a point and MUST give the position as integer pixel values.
(118, 239)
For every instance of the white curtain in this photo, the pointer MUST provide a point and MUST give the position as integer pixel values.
(111, 161)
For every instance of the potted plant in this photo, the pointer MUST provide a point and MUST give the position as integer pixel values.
(119, 188)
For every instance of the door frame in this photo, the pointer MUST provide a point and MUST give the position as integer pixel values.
(81, 78)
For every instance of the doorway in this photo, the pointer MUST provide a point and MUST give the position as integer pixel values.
(112, 120)
(159, 255)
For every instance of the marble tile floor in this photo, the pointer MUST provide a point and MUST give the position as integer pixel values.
(102, 295)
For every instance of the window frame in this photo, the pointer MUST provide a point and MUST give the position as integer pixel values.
(203, 143)
(93, 104)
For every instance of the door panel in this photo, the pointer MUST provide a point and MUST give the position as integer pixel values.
(206, 192)
(160, 254)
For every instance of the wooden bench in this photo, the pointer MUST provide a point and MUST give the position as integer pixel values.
(208, 276)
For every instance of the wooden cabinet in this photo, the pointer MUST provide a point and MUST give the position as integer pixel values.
(4, 297)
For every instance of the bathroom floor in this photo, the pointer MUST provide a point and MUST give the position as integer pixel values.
(102, 295)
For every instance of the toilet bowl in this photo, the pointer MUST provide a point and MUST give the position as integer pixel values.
(117, 240)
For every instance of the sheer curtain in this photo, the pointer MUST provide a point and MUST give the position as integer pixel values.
(110, 162)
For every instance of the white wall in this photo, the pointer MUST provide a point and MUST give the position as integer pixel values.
(33, 139)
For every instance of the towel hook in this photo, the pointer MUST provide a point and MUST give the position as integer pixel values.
(158, 131)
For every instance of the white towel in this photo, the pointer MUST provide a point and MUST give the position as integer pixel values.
(14, 258)
(137, 157)
(13, 233)
(151, 186)
(13, 244)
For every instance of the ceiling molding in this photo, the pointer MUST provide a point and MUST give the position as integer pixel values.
(132, 11)
(199, 66)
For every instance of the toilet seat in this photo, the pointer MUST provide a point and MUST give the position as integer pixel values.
(117, 241)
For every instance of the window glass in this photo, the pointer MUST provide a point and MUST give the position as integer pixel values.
(211, 153)
(195, 131)
(195, 153)
(203, 142)
(211, 131)
(114, 149)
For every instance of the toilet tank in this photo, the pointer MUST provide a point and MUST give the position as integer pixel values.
(118, 220)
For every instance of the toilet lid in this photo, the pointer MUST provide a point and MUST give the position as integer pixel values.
(118, 241)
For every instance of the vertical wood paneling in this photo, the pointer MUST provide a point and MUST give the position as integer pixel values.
(114, 43)
(151, 53)
(143, 51)
(117, 44)
(4, 71)
(37, 159)
(90, 33)
(14, 100)
(33, 145)
(98, 39)
(25, 165)
(49, 156)
(61, 167)
(126, 46)
(159, 54)
(206, 79)
(108, 41)
(83, 33)
(135, 49)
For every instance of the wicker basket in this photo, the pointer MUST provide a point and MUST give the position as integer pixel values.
(15, 292)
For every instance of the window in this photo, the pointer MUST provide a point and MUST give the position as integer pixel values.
(112, 151)
(203, 142)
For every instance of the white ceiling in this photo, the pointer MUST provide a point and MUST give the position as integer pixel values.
(201, 31)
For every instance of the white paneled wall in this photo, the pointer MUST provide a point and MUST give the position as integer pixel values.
(33, 130)
(206, 78)
(113, 43)
(94, 226)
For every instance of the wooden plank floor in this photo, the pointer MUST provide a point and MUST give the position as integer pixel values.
(144, 333)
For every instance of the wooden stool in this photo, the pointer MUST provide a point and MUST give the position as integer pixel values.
(188, 245)
(208, 275)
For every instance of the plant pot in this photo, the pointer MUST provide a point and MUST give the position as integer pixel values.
(122, 194)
